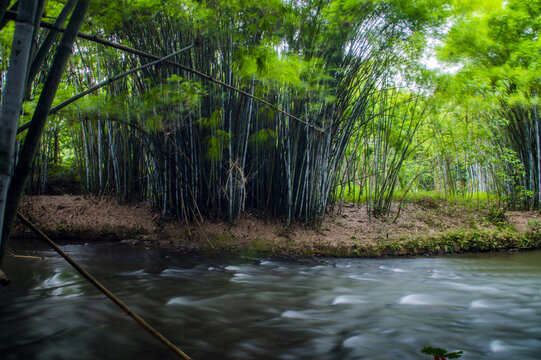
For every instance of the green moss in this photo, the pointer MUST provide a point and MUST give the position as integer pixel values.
(221, 243)
(355, 249)
(260, 247)
(455, 241)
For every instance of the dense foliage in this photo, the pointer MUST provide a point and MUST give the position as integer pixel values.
(288, 107)
(498, 89)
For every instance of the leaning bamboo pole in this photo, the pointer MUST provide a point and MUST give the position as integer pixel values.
(109, 81)
(12, 16)
(104, 290)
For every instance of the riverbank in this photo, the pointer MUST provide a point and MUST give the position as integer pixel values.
(425, 226)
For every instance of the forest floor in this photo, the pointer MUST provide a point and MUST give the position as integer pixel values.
(425, 226)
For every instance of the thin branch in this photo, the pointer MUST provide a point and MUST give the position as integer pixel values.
(10, 15)
(57, 108)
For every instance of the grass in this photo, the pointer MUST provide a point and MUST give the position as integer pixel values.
(352, 194)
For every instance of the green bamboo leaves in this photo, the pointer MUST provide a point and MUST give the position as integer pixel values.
(215, 148)
(218, 139)
(499, 85)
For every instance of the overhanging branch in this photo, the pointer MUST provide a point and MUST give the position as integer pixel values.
(12, 15)
(103, 83)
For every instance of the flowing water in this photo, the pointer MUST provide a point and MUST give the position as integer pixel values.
(488, 305)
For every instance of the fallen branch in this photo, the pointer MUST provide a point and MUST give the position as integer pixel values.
(104, 290)
(26, 256)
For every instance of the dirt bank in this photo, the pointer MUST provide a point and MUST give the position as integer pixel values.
(424, 226)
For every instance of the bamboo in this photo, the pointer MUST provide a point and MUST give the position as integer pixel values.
(37, 17)
(90, 90)
(11, 16)
(3, 8)
(12, 97)
(293, 173)
(104, 290)
(27, 256)
(47, 43)
(28, 153)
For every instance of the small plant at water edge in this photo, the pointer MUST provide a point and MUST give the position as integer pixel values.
(441, 354)
(534, 226)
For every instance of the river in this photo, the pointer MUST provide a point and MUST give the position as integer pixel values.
(487, 305)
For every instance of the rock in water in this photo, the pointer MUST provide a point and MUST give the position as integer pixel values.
(4, 281)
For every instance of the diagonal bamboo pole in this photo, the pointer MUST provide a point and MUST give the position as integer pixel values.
(11, 15)
(104, 83)
(104, 290)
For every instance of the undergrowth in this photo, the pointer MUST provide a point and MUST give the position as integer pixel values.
(432, 198)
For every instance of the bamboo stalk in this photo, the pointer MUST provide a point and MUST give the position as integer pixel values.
(11, 16)
(39, 118)
(104, 290)
(12, 96)
(43, 50)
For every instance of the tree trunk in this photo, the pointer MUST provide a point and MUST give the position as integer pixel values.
(28, 153)
(12, 97)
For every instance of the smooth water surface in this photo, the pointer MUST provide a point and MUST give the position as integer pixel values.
(489, 306)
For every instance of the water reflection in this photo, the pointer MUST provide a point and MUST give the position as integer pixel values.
(487, 305)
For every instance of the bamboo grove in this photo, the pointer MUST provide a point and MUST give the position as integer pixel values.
(340, 121)
(496, 96)
(197, 149)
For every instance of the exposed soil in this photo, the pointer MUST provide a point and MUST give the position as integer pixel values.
(350, 232)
